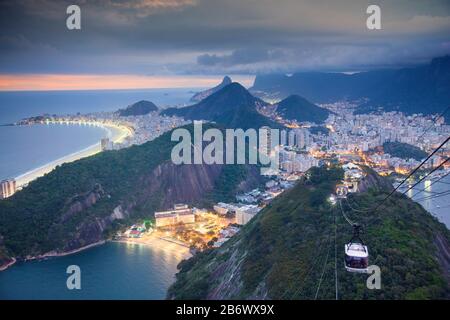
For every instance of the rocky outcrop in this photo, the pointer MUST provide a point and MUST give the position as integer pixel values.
(82, 202)
(373, 181)
(181, 183)
(5, 259)
(92, 231)
(199, 96)
(442, 244)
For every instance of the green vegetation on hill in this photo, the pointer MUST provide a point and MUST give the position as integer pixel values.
(31, 220)
(285, 250)
(72, 206)
(298, 108)
(232, 106)
(404, 150)
(138, 109)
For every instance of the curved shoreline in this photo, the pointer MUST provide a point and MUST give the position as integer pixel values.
(7, 265)
(52, 254)
(115, 133)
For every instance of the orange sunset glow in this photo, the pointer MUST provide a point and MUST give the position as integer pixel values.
(47, 82)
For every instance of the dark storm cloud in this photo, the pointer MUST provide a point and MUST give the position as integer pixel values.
(239, 57)
(212, 36)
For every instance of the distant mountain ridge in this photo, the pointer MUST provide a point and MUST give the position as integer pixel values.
(298, 108)
(423, 89)
(232, 106)
(139, 108)
(199, 96)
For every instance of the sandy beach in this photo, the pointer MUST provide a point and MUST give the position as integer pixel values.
(114, 133)
(172, 248)
(176, 249)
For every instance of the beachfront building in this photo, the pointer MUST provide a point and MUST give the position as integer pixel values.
(180, 214)
(106, 144)
(7, 188)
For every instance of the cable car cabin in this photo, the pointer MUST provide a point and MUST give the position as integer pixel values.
(356, 257)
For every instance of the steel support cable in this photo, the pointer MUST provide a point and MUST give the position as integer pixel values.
(438, 180)
(320, 250)
(434, 122)
(354, 209)
(324, 267)
(335, 259)
(374, 209)
(433, 196)
(350, 222)
(414, 171)
(420, 180)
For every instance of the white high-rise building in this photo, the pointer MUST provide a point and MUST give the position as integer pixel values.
(302, 138)
(291, 138)
(264, 140)
(7, 188)
(283, 137)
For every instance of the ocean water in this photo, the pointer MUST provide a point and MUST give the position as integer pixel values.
(18, 105)
(27, 147)
(110, 271)
(438, 206)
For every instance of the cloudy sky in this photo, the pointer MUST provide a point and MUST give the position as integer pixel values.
(197, 41)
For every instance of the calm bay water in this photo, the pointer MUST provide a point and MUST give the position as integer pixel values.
(439, 206)
(110, 271)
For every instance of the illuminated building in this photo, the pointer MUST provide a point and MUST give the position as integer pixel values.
(180, 214)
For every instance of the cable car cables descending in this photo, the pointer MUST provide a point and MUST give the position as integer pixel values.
(375, 208)
(425, 189)
(324, 267)
(335, 259)
(420, 180)
(350, 222)
(434, 121)
(414, 171)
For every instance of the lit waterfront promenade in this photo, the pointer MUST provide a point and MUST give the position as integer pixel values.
(116, 133)
(172, 248)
